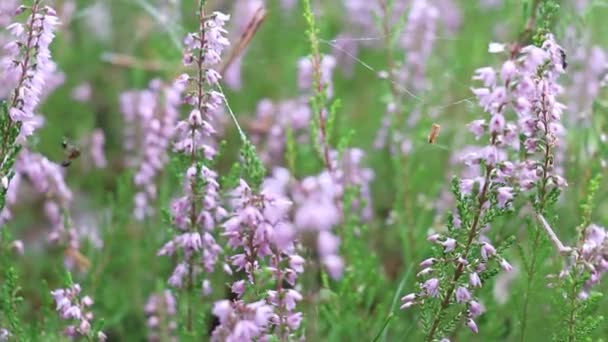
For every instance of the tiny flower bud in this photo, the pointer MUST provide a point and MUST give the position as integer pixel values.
(474, 280)
(408, 298)
(487, 251)
(407, 305)
(428, 262)
(449, 245)
(433, 237)
(471, 324)
(505, 265)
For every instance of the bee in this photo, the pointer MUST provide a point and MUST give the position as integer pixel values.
(71, 152)
(81, 261)
(261, 126)
(562, 54)
(434, 133)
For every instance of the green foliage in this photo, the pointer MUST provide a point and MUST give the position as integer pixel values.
(8, 149)
(253, 170)
(547, 12)
(577, 318)
(10, 295)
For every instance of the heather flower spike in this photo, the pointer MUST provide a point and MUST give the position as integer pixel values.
(28, 64)
(25, 67)
(196, 214)
(526, 86)
(75, 309)
(261, 236)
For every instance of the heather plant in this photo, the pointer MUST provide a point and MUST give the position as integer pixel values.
(265, 170)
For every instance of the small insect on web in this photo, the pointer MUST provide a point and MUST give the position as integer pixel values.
(433, 135)
(71, 152)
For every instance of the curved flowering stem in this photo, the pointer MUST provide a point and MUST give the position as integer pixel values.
(480, 199)
(26, 64)
(473, 232)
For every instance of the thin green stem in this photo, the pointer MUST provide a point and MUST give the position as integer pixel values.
(540, 208)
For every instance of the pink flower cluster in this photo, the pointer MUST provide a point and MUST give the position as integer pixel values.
(306, 71)
(590, 256)
(261, 235)
(47, 180)
(418, 41)
(240, 321)
(533, 98)
(160, 311)
(28, 63)
(75, 309)
(150, 116)
(195, 214)
(272, 121)
(97, 144)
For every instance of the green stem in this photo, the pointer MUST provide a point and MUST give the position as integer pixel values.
(531, 274)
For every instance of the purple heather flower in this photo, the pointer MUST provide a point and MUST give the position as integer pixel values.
(407, 305)
(505, 265)
(239, 321)
(160, 310)
(418, 41)
(275, 119)
(591, 256)
(520, 87)
(462, 294)
(505, 195)
(431, 287)
(408, 298)
(474, 279)
(428, 262)
(471, 324)
(97, 144)
(433, 237)
(478, 128)
(150, 116)
(449, 245)
(475, 308)
(487, 251)
(255, 233)
(74, 309)
(238, 288)
(424, 271)
(5, 335)
(46, 178)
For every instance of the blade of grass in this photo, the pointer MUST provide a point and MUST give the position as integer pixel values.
(384, 326)
(400, 287)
